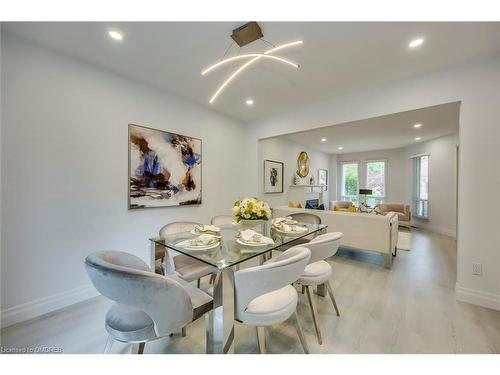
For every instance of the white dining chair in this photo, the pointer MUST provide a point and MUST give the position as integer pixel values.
(318, 271)
(179, 264)
(147, 306)
(264, 296)
(222, 220)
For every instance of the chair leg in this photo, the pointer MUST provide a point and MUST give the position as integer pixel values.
(330, 293)
(212, 279)
(298, 328)
(141, 348)
(312, 304)
(303, 289)
(261, 338)
(198, 283)
(109, 344)
(183, 331)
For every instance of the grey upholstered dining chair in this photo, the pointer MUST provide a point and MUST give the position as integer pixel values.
(222, 220)
(147, 306)
(318, 271)
(183, 265)
(264, 296)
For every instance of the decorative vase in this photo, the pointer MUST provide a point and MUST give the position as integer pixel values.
(258, 225)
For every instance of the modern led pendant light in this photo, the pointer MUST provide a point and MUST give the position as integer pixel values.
(244, 35)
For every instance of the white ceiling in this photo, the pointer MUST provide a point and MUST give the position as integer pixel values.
(384, 132)
(335, 58)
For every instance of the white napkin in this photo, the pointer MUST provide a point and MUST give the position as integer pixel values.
(202, 240)
(285, 220)
(251, 236)
(207, 228)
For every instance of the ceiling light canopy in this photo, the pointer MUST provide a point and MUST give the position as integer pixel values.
(416, 42)
(340, 148)
(249, 102)
(323, 139)
(418, 125)
(115, 34)
(254, 57)
(418, 138)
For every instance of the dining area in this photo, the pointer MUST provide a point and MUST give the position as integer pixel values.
(248, 268)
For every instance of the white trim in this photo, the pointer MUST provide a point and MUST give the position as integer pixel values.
(41, 306)
(420, 155)
(477, 297)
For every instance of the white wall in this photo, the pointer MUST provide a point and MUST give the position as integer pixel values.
(476, 85)
(442, 179)
(280, 149)
(64, 172)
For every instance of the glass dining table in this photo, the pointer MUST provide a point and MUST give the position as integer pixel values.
(226, 257)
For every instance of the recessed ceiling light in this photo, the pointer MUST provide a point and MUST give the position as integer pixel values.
(323, 139)
(340, 148)
(416, 126)
(249, 101)
(418, 138)
(115, 35)
(415, 43)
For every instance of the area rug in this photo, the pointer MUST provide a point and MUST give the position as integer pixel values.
(404, 241)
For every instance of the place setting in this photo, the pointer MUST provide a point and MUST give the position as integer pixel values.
(288, 226)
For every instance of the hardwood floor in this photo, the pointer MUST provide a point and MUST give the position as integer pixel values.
(409, 309)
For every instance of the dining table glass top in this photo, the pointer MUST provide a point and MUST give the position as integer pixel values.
(231, 250)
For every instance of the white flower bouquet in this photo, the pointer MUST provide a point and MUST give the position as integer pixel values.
(251, 209)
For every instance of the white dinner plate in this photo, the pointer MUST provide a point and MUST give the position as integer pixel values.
(252, 244)
(199, 248)
(291, 233)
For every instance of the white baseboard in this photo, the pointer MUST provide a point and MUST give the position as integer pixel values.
(42, 306)
(435, 229)
(477, 297)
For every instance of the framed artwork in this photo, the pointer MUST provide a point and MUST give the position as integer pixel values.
(164, 168)
(273, 176)
(323, 178)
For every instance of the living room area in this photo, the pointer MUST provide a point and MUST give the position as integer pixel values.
(250, 187)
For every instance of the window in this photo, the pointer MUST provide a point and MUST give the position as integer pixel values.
(375, 180)
(421, 186)
(350, 182)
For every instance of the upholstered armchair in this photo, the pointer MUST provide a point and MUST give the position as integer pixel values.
(402, 210)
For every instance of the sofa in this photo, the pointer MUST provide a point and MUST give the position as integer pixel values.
(402, 210)
(370, 232)
(340, 205)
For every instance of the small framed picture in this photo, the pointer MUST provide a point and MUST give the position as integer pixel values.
(323, 178)
(273, 176)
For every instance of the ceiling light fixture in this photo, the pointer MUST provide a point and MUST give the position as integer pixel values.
(244, 35)
(323, 139)
(416, 126)
(418, 138)
(415, 43)
(249, 102)
(295, 65)
(115, 35)
(340, 148)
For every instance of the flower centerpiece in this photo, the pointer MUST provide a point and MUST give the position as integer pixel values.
(252, 211)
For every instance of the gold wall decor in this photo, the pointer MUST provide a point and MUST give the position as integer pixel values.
(303, 164)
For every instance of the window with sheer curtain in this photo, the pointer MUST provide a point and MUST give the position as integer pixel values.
(376, 181)
(350, 182)
(421, 186)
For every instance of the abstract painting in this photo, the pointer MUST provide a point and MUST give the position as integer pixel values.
(164, 168)
(273, 176)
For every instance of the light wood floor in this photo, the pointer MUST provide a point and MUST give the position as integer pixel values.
(409, 309)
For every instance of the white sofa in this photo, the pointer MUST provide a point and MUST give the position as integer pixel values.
(376, 233)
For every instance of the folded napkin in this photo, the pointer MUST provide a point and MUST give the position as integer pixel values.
(202, 240)
(284, 220)
(251, 236)
(207, 229)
